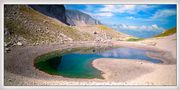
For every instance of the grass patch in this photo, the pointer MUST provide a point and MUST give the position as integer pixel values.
(135, 39)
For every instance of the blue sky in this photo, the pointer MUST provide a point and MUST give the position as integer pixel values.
(140, 17)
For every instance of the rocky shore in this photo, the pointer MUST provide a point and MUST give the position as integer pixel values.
(19, 67)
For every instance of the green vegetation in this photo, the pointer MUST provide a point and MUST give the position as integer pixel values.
(167, 32)
(135, 39)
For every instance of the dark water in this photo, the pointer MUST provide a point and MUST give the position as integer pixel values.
(76, 63)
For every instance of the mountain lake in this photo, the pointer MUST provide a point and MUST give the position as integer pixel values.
(77, 62)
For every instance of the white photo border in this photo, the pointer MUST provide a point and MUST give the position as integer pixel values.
(2, 2)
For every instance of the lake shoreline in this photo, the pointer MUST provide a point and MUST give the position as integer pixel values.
(20, 70)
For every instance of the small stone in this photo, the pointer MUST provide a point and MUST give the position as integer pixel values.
(19, 43)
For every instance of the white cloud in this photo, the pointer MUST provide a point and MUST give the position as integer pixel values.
(107, 8)
(110, 10)
(154, 26)
(121, 52)
(117, 8)
(140, 28)
(107, 14)
(164, 13)
(131, 9)
(132, 27)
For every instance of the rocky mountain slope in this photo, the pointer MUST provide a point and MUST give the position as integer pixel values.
(77, 18)
(24, 24)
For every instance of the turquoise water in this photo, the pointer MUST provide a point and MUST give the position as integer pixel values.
(77, 63)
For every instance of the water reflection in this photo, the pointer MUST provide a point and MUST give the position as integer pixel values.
(128, 53)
